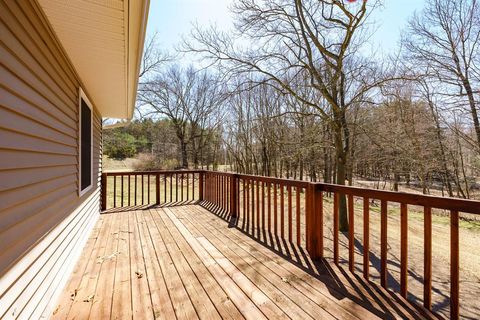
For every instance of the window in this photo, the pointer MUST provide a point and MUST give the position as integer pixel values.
(85, 144)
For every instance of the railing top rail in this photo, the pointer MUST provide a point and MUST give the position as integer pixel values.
(455, 204)
(132, 173)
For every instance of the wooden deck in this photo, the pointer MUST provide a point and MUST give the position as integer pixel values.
(186, 262)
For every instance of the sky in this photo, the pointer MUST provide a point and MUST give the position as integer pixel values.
(173, 18)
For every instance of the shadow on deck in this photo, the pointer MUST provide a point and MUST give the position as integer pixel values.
(186, 260)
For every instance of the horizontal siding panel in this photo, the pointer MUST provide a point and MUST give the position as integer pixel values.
(19, 104)
(68, 253)
(14, 159)
(34, 229)
(32, 58)
(21, 196)
(54, 95)
(15, 216)
(19, 141)
(19, 178)
(16, 122)
(58, 249)
(21, 88)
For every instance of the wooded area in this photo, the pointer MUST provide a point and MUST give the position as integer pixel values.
(294, 92)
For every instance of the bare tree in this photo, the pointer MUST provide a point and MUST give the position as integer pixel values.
(190, 99)
(316, 40)
(444, 40)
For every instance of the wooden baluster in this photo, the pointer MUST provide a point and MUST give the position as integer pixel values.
(290, 215)
(275, 209)
(114, 191)
(383, 243)
(224, 192)
(193, 185)
(181, 186)
(244, 203)
(176, 187)
(188, 187)
(135, 189)
(148, 188)
(335, 227)
(247, 204)
(234, 196)
(253, 205)
(351, 233)
(157, 189)
(165, 188)
(297, 207)
(171, 188)
(454, 266)
(104, 181)
(121, 189)
(366, 238)
(263, 206)
(282, 212)
(403, 249)
(319, 215)
(143, 190)
(427, 251)
(129, 192)
(257, 187)
(269, 204)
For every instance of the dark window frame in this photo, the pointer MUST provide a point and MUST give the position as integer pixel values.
(83, 98)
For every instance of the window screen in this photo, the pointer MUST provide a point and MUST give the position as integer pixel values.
(85, 146)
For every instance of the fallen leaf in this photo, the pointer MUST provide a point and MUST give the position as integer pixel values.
(73, 295)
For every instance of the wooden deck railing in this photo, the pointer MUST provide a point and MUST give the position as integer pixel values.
(130, 189)
(294, 211)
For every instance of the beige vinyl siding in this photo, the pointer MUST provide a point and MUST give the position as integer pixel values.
(43, 221)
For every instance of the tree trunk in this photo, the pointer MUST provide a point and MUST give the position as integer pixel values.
(184, 154)
(341, 171)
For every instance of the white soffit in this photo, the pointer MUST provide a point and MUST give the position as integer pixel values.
(104, 40)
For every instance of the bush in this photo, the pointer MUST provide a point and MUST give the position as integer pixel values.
(119, 145)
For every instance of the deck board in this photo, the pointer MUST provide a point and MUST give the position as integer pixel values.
(185, 262)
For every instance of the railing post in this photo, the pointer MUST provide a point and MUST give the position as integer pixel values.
(157, 189)
(314, 219)
(201, 175)
(233, 195)
(103, 190)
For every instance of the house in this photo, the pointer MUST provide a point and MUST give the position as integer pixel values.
(64, 65)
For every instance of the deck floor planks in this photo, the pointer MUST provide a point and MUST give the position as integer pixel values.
(102, 299)
(159, 284)
(82, 304)
(275, 288)
(71, 291)
(122, 293)
(282, 281)
(141, 296)
(184, 262)
(345, 286)
(219, 298)
(310, 286)
(264, 303)
(198, 297)
(239, 298)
